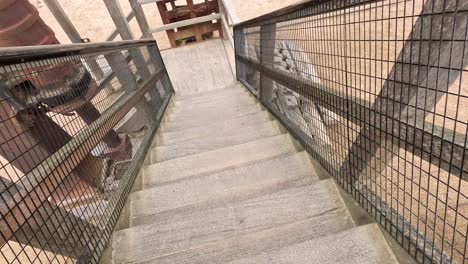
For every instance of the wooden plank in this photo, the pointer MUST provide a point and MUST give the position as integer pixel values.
(188, 22)
(115, 33)
(120, 21)
(123, 27)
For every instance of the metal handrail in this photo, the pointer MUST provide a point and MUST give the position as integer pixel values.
(26, 53)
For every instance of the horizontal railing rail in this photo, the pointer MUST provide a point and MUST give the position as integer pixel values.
(72, 142)
(375, 91)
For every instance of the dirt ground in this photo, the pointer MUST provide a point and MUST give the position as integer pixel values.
(92, 20)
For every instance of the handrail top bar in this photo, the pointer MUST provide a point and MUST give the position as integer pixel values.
(300, 6)
(22, 54)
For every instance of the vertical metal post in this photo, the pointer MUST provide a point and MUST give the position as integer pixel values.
(141, 18)
(123, 28)
(126, 79)
(70, 30)
(267, 57)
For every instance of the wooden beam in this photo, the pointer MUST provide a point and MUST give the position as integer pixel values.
(123, 27)
(115, 33)
(188, 22)
(120, 21)
(447, 151)
(141, 18)
(63, 20)
(407, 91)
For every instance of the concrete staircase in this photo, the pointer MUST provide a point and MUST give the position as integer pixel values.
(227, 184)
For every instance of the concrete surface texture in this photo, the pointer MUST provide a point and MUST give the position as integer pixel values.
(219, 188)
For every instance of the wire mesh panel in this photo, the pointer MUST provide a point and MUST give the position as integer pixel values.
(76, 123)
(377, 92)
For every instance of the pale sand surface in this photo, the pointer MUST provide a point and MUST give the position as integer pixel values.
(92, 20)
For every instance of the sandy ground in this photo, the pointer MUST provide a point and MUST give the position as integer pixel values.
(92, 20)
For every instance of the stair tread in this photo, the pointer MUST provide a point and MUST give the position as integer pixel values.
(216, 160)
(183, 230)
(235, 88)
(190, 123)
(215, 141)
(170, 137)
(213, 113)
(236, 103)
(219, 98)
(242, 182)
(363, 244)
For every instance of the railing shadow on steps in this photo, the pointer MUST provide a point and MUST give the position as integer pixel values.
(376, 92)
(72, 143)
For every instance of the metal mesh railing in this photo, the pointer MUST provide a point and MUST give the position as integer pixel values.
(76, 123)
(377, 93)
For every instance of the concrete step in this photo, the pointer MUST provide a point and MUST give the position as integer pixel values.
(172, 232)
(213, 106)
(171, 127)
(218, 96)
(240, 135)
(167, 138)
(218, 188)
(257, 242)
(364, 244)
(217, 160)
(231, 97)
(220, 112)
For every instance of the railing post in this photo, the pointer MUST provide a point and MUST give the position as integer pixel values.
(126, 78)
(225, 22)
(141, 18)
(267, 57)
(71, 32)
(123, 28)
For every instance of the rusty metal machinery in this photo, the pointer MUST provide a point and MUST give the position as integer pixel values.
(29, 102)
